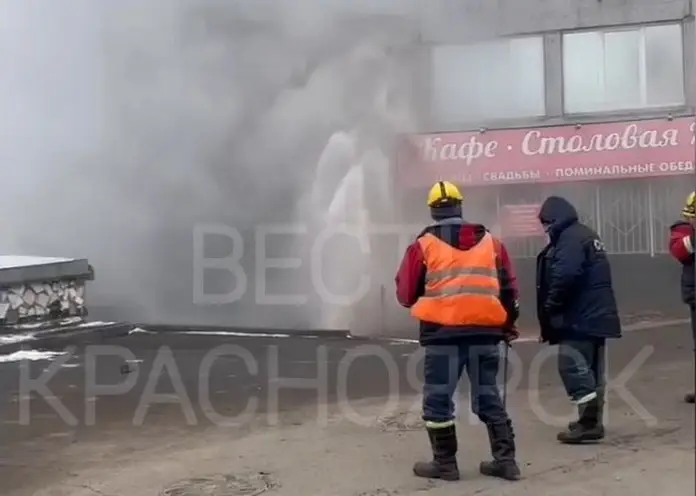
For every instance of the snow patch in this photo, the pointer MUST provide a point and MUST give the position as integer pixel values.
(33, 355)
(236, 334)
(54, 325)
(399, 341)
(95, 324)
(139, 330)
(15, 261)
(16, 338)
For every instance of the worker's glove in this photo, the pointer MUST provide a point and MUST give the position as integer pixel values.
(515, 312)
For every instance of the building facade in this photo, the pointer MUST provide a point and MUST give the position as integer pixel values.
(590, 99)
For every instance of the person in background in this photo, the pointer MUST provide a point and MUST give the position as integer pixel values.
(458, 281)
(681, 246)
(577, 310)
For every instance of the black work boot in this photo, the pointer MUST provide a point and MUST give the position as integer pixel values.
(589, 426)
(443, 442)
(690, 398)
(600, 415)
(503, 465)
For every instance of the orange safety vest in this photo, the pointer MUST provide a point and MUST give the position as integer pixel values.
(461, 287)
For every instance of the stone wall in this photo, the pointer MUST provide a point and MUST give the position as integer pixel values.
(42, 301)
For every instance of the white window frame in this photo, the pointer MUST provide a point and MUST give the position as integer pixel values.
(642, 66)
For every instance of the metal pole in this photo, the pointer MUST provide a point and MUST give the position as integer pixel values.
(690, 76)
(651, 219)
(382, 309)
(506, 360)
(597, 209)
(497, 206)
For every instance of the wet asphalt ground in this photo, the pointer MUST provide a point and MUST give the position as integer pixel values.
(99, 386)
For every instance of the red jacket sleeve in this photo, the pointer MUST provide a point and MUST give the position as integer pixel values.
(681, 242)
(410, 279)
(509, 289)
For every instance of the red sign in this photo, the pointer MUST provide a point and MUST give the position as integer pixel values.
(658, 147)
(520, 221)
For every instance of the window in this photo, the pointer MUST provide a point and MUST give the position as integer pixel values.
(581, 194)
(624, 213)
(623, 70)
(667, 200)
(496, 80)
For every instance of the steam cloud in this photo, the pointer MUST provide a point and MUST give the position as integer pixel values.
(127, 122)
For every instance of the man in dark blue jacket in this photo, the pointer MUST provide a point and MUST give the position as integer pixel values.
(577, 310)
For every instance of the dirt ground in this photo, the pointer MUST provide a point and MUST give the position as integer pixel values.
(345, 458)
(367, 448)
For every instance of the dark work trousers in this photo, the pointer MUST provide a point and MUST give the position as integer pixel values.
(693, 332)
(693, 324)
(581, 365)
(443, 368)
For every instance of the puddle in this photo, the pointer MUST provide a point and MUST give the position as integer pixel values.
(222, 485)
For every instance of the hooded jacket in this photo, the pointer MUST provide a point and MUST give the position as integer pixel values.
(575, 297)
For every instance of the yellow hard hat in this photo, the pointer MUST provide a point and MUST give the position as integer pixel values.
(444, 193)
(689, 210)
